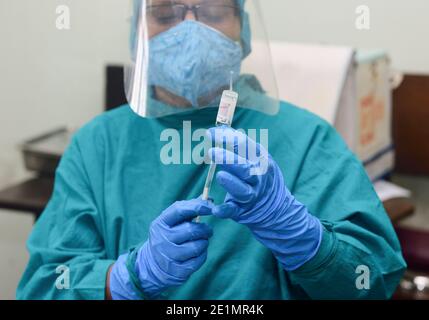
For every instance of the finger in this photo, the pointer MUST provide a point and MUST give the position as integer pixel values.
(227, 210)
(234, 164)
(187, 250)
(239, 190)
(182, 211)
(220, 155)
(190, 266)
(183, 270)
(189, 231)
(235, 141)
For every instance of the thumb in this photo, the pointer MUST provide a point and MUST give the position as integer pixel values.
(228, 210)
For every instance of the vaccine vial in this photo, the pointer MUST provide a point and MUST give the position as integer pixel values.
(227, 106)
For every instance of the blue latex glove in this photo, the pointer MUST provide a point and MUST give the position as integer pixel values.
(176, 248)
(258, 198)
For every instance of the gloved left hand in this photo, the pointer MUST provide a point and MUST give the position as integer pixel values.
(258, 198)
(175, 249)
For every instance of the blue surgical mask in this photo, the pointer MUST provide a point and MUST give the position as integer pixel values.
(193, 61)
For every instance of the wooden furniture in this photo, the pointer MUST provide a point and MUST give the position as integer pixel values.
(411, 125)
(30, 196)
(399, 209)
(411, 136)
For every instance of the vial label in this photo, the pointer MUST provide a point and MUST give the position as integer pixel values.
(227, 107)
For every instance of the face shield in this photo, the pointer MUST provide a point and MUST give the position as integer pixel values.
(184, 54)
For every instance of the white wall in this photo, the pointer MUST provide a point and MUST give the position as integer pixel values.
(400, 26)
(50, 78)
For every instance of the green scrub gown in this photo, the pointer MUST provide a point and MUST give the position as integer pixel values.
(111, 184)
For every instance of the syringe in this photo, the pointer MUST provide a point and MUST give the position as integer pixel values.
(227, 106)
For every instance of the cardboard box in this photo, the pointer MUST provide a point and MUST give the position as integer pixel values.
(348, 88)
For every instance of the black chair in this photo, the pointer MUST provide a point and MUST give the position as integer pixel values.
(114, 90)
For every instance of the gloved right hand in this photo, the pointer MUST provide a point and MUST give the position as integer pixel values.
(176, 248)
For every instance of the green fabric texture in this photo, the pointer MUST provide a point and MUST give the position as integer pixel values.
(111, 184)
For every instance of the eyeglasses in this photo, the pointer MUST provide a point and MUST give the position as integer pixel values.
(166, 16)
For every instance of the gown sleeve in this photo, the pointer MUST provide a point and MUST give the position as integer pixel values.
(67, 253)
(360, 255)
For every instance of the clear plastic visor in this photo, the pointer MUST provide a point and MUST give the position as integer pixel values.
(184, 54)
